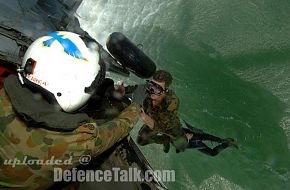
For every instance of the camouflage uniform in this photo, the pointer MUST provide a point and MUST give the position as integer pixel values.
(167, 127)
(18, 140)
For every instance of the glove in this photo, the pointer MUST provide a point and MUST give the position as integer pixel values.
(138, 95)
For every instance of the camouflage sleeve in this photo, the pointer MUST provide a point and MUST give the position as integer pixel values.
(172, 103)
(111, 132)
(17, 140)
(168, 121)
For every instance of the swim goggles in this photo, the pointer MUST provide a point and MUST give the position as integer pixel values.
(154, 88)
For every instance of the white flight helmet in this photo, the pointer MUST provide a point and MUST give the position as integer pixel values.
(63, 65)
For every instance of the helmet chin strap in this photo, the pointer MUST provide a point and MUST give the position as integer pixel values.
(20, 72)
(27, 69)
(38, 112)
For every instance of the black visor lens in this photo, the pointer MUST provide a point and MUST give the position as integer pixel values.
(154, 88)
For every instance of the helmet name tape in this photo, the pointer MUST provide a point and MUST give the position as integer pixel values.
(36, 80)
(69, 47)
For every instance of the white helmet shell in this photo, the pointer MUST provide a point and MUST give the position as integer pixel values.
(64, 66)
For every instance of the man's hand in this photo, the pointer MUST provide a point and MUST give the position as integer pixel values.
(120, 88)
(189, 136)
(137, 95)
(147, 120)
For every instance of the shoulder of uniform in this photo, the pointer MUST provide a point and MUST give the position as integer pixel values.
(172, 101)
(5, 104)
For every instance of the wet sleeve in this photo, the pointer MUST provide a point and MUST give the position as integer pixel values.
(111, 132)
(168, 121)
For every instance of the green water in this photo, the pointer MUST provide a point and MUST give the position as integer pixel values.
(231, 65)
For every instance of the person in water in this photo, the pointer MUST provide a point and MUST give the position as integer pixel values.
(163, 126)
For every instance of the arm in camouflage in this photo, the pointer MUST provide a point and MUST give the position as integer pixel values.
(19, 141)
(168, 121)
